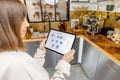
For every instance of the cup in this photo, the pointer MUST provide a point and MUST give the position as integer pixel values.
(110, 7)
(31, 30)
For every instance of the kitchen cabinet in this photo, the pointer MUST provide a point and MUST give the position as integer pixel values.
(52, 58)
(31, 47)
(97, 65)
(107, 69)
(89, 59)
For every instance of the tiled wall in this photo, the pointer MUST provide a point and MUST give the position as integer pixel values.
(109, 22)
(79, 15)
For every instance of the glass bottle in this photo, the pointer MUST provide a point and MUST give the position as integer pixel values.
(85, 18)
(62, 26)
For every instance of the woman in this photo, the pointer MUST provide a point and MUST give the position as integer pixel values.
(15, 63)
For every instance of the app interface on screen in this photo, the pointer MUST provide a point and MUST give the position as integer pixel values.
(60, 41)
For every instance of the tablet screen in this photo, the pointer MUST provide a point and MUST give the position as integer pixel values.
(59, 41)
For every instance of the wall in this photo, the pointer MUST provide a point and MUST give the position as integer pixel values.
(76, 12)
(98, 8)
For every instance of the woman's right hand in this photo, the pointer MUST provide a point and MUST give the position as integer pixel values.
(68, 57)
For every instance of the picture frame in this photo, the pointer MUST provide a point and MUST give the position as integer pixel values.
(74, 22)
(33, 7)
(55, 10)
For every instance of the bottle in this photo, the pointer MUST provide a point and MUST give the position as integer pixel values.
(31, 29)
(100, 17)
(93, 17)
(85, 19)
(62, 26)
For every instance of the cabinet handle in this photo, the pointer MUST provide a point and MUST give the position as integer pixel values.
(87, 47)
(112, 69)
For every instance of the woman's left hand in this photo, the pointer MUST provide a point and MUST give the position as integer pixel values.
(42, 45)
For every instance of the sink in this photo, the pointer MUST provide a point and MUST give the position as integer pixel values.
(38, 34)
(43, 34)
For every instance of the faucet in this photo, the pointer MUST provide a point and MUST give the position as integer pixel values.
(62, 25)
(117, 18)
(47, 19)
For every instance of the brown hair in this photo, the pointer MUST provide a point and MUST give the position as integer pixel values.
(12, 14)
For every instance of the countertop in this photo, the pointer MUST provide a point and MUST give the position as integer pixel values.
(106, 46)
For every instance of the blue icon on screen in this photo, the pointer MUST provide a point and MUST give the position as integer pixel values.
(52, 40)
(61, 37)
(52, 35)
(61, 42)
(56, 41)
(53, 45)
(57, 46)
(58, 36)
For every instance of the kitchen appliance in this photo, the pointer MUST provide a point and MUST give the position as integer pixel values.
(116, 35)
(93, 27)
(104, 30)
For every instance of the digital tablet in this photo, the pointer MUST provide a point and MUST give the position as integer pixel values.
(60, 42)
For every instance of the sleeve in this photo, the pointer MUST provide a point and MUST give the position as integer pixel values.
(40, 56)
(62, 70)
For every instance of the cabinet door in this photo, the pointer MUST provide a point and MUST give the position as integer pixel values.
(31, 47)
(76, 47)
(50, 56)
(107, 70)
(89, 60)
(51, 59)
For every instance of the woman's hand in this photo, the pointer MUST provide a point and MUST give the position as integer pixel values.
(68, 57)
(42, 45)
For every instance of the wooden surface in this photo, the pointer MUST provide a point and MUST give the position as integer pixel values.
(106, 46)
(29, 39)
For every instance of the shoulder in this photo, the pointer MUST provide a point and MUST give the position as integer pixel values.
(7, 58)
(10, 63)
(11, 58)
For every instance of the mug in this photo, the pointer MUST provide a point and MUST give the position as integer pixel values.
(31, 30)
(110, 32)
(115, 37)
(110, 7)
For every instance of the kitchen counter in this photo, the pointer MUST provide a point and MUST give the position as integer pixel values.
(106, 46)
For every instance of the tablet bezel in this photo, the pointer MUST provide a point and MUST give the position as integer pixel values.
(62, 32)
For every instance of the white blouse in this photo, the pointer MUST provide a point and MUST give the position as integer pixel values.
(18, 65)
